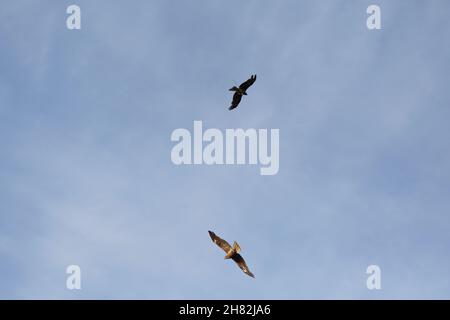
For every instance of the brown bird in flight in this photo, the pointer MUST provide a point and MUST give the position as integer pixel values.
(232, 252)
(241, 91)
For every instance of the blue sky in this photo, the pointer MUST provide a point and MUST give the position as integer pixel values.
(85, 170)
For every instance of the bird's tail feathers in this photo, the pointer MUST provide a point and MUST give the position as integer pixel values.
(236, 247)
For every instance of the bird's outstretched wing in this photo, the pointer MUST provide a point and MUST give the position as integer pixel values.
(241, 263)
(236, 99)
(245, 85)
(225, 246)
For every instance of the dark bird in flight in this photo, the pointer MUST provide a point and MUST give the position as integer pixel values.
(232, 252)
(241, 91)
